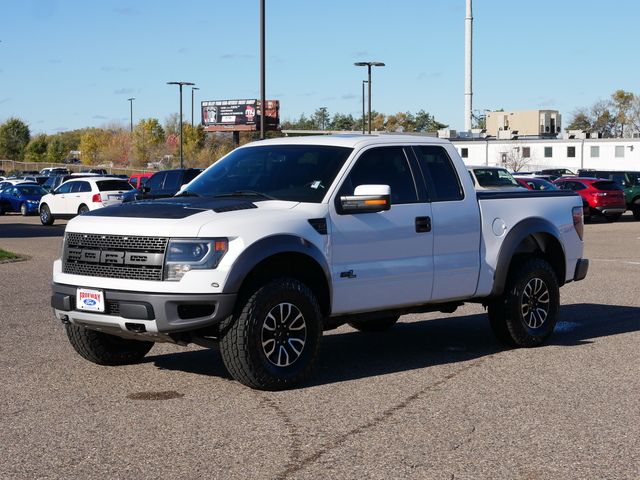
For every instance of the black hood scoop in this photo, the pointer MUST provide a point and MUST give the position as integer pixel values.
(174, 208)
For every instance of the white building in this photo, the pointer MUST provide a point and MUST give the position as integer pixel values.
(536, 154)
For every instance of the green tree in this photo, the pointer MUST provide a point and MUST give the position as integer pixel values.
(321, 118)
(36, 150)
(425, 122)
(56, 150)
(148, 140)
(580, 121)
(14, 137)
(343, 122)
(193, 141)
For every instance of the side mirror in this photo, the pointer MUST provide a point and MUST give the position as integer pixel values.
(144, 189)
(366, 199)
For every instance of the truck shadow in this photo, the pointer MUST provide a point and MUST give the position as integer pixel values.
(28, 230)
(351, 355)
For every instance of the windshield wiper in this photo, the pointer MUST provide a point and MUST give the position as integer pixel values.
(187, 193)
(245, 193)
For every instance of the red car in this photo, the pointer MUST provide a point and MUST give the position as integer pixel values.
(138, 179)
(605, 197)
(534, 183)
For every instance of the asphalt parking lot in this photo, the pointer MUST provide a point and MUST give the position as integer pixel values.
(435, 397)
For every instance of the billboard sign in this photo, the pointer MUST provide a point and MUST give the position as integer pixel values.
(238, 115)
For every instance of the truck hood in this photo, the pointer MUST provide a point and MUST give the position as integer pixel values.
(171, 217)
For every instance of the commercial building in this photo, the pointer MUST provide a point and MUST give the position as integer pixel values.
(543, 123)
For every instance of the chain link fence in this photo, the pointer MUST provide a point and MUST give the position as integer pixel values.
(12, 166)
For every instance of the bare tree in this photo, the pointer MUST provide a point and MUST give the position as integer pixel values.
(514, 160)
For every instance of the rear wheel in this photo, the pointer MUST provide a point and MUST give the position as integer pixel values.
(105, 349)
(2, 209)
(83, 209)
(636, 209)
(272, 341)
(45, 215)
(526, 313)
(375, 324)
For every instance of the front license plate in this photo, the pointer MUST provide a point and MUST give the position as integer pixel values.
(91, 300)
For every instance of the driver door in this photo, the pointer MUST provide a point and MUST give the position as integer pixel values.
(382, 259)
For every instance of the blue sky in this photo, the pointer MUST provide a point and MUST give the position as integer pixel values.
(70, 64)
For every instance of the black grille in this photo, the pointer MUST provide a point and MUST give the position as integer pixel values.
(117, 242)
(113, 308)
(104, 265)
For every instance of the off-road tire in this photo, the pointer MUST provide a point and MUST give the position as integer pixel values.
(45, 215)
(24, 211)
(375, 324)
(506, 317)
(105, 349)
(242, 346)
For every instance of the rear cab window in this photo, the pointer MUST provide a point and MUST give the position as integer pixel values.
(439, 173)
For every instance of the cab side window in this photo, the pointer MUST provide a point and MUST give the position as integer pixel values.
(383, 166)
(156, 181)
(439, 173)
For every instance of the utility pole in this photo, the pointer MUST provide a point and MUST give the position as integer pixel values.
(263, 100)
(130, 100)
(468, 73)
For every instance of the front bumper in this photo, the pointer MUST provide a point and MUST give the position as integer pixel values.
(141, 314)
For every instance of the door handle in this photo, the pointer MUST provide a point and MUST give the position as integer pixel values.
(423, 224)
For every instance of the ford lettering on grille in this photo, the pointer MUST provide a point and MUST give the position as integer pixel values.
(114, 256)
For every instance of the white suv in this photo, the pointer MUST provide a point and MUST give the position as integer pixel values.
(75, 197)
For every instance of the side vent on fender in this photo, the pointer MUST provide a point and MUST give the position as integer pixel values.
(319, 224)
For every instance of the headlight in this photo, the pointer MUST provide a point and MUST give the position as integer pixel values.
(184, 255)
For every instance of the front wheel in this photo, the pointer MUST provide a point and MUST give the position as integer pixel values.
(24, 210)
(105, 349)
(45, 215)
(273, 339)
(526, 313)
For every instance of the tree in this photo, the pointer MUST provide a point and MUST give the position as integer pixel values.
(580, 121)
(342, 122)
(148, 140)
(92, 144)
(424, 122)
(56, 150)
(36, 150)
(14, 137)
(321, 118)
(621, 102)
(603, 121)
(193, 141)
(514, 160)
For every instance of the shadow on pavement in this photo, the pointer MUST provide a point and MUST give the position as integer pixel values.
(409, 346)
(27, 230)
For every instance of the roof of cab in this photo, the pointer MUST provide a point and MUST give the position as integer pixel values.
(351, 140)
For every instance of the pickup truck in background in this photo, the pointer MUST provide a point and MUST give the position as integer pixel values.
(283, 239)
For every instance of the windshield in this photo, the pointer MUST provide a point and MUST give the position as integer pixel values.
(299, 173)
(31, 190)
(495, 177)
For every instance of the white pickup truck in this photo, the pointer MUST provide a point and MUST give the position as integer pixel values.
(285, 238)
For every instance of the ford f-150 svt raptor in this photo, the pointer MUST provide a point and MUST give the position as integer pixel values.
(282, 239)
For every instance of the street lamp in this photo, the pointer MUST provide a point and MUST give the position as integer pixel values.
(363, 120)
(180, 84)
(369, 65)
(192, 89)
(130, 100)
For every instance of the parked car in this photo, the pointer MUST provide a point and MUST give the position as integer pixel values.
(51, 171)
(558, 172)
(23, 198)
(163, 184)
(489, 178)
(39, 179)
(628, 180)
(97, 171)
(605, 197)
(137, 180)
(536, 183)
(54, 182)
(80, 195)
(10, 182)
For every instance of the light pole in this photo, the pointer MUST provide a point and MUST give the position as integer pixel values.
(363, 119)
(263, 100)
(369, 65)
(130, 100)
(323, 113)
(180, 84)
(192, 89)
